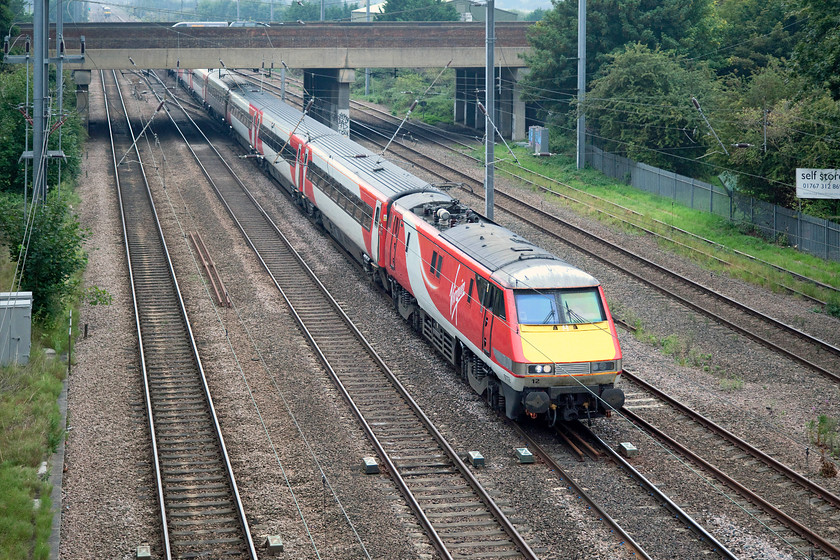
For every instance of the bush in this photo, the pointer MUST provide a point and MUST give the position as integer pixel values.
(47, 250)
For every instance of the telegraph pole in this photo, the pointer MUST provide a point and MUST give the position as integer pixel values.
(581, 85)
(490, 106)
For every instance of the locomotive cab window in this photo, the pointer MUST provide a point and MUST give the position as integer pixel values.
(559, 307)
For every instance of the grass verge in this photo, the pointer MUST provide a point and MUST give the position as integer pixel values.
(30, 429)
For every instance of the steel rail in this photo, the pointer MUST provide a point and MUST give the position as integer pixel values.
(735, 440)
(690, 521)
(540, 452)
(148, 400)
(751, 496)
(246, 533)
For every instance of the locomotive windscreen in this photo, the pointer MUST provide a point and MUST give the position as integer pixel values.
(559, 307)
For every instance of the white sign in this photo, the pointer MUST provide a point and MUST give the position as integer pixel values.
(818, 183)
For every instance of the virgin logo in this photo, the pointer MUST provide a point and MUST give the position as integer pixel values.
(456, 294)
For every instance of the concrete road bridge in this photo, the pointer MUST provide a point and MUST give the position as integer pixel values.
(327, 52)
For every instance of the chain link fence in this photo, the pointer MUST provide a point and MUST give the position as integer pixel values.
(815, 236)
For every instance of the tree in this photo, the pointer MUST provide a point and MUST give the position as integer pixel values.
(54, 252)
(13, 132)
(752, 34)
(782, 125)
(641, 106)
(535, 15)
(12, 11)
(12, 128)
(817, 54)
(418, 10)
(684, 26)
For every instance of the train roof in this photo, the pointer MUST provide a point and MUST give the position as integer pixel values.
(389, 179)
(513, 261)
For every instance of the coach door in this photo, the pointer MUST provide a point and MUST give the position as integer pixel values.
(303, 161)
(396, 222)
(493, 307)
(374, 233)
(487, 313)
(254, 128)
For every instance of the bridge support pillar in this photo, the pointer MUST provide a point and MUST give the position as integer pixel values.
(331, 90)
(469, 88)
(510, 109)
(82, 80)
(511, 121)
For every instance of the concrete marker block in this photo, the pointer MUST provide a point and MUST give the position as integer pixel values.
(273, 544)
(524, 455)
(369, 465)
(627, 449)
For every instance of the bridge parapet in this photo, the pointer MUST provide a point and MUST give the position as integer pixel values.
(310, 45)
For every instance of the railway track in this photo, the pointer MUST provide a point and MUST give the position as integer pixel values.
(638, 510)
(201, 512)
(459, 516)
(797, 510)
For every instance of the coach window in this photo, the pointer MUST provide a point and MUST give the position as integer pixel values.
(469, 293)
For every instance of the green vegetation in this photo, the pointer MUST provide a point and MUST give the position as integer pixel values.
(417, 10)
(31, 429)
(50, 251)
(47, 259)
(398, 90)
(763, 72)
(683, 351)
(823, 433)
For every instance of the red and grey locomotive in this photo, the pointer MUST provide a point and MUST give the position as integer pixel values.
(528, 331)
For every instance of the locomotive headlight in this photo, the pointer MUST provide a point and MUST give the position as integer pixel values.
(539, 368)
(598, 367)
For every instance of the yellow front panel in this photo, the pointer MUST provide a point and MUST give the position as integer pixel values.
(567, 343)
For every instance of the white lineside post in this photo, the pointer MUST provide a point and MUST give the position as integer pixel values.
(490, 105)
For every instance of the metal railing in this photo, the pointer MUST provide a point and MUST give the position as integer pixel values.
(816, 236)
